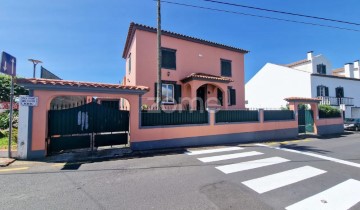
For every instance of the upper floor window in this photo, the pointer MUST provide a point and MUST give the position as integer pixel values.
(168, 58)
(129, 64)
(322, 91)
(321, 69)
(225, 68)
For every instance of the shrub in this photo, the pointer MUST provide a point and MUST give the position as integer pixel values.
(14, 136)
(326, 111)
(4, 119)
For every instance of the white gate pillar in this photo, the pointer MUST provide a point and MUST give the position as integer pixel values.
(23, 132)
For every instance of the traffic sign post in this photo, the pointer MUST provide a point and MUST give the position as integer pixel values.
(8, 66)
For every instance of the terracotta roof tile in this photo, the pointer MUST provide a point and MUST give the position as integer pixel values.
(206, 77)
(78, 84)
(134, 26)
(298, 63)
(339, 70)
(302, 99)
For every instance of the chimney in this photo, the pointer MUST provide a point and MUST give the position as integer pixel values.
(349, 70)
(310, 55)
(357, 69)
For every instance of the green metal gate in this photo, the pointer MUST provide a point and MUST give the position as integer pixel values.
(306, 121)
(87, 126)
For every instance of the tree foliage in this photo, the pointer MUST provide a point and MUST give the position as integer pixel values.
(5, 86)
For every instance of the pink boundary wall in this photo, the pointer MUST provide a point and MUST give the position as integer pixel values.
(140, 134)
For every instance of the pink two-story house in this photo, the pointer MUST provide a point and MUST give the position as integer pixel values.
(195, 73)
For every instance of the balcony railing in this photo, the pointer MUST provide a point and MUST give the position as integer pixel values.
(334, 101)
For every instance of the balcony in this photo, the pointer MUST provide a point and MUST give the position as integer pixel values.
(334, 101)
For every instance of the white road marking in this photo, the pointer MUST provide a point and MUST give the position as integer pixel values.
(345, 162)
(342, 196)
(208, 151)
(274, 181)
(228, 157)
(227, 169)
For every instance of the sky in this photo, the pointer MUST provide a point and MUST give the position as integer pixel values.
(83, 40)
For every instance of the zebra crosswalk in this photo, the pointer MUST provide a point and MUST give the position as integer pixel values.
(327, 199)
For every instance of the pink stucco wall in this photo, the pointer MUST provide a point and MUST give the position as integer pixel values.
(139, 134)
(190, 58)
(40, 113)
(147, 134)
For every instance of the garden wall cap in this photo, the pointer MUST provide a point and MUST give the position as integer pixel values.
(302, 99)
(53, 82)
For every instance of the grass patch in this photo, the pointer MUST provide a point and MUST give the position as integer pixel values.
(4, 143)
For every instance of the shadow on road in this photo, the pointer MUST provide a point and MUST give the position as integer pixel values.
(303, 148)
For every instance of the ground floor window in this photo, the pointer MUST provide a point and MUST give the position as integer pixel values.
(167, 93)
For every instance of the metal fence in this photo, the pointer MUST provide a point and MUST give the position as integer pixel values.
(223, 116)
(160, 118)
(272, 115)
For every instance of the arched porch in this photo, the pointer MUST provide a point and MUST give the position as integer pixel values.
(201, 92)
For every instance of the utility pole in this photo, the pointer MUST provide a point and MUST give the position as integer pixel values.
(11, 107)
(159, 86)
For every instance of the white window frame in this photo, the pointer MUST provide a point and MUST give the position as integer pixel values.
(168, 95)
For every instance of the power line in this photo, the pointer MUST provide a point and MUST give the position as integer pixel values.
(282, 12)
(259, 16)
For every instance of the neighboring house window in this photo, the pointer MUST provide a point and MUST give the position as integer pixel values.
(129, 66)
(171, 92)
(339, 92)
(322, 91)
(225, 68)
(321, 69)
(231, 96)
(168, 58)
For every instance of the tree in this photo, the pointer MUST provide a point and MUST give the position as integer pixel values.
(5, 86)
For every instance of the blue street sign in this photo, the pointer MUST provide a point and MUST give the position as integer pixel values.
(8, 64)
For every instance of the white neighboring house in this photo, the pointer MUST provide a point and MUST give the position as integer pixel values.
(310, 78)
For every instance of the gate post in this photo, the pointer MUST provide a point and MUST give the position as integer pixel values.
(23, 131)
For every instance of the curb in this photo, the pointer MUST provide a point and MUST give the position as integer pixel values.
(6, 161)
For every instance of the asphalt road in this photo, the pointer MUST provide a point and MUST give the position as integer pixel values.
(302, 174)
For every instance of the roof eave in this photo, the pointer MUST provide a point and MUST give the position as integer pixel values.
(133, 27)
(51, 87)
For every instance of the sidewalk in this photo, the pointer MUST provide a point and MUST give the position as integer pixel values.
(6, 161)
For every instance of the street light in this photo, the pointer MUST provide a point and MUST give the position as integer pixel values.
(35, 62)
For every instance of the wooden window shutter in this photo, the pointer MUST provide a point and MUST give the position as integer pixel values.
(155, 90)
(326, 91)
(177, 93)
(232, 97)
(318, 67)
(318, 91)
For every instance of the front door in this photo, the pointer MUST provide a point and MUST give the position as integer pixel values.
(306, 121)
(200, 98)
